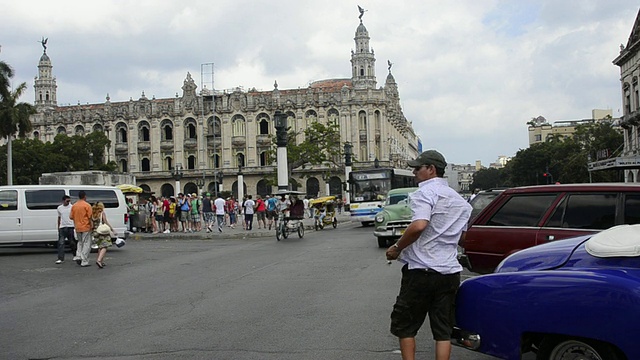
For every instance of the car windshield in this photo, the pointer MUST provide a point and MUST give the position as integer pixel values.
(481, 201)
(396, 198)
(370, 190)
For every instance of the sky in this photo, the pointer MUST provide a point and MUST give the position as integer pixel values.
(470, 73)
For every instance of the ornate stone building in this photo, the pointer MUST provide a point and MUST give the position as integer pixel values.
(629, 62)
(211, 132)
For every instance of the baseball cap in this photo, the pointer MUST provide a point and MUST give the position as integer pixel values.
(208, 194)
(429, 157)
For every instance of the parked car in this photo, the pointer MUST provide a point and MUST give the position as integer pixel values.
(571, 299)
(526, 216)
(395, 217)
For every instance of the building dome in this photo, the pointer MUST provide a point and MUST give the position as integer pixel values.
(361, 30)
(45, 58)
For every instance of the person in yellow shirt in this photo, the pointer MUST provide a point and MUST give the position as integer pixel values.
(81, 215)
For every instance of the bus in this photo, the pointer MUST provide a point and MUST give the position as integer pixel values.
(369, 188)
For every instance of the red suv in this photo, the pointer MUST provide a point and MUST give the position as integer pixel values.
(526, 216)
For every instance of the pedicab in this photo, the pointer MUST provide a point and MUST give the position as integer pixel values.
(290, 219)
(324, 212)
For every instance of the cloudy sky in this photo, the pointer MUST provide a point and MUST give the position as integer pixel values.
(470, 73)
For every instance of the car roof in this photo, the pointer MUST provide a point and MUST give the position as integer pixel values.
(575, 187)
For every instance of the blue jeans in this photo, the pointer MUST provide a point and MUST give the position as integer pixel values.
(65, 233)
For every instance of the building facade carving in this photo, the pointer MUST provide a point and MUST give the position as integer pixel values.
(218, 131)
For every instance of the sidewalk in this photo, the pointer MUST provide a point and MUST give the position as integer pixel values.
(227, 232)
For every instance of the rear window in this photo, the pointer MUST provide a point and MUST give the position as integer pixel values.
(107, 197)
(43, 199)
(522, 210)
(585, 211)
(480, 201)
(8, 200)
(632, 209)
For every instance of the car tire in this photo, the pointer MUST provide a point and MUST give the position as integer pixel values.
(383, 242)
(557, 348)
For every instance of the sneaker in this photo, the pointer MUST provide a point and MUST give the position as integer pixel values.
(166, 231)
(59, 261)
(219, 228)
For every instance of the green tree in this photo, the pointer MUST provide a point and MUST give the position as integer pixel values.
(14, 115)
(321, 145)
(488, 178)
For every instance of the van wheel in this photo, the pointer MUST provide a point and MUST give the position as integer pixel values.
(558, 348)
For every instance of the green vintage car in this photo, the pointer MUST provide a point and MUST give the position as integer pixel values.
(395, 216)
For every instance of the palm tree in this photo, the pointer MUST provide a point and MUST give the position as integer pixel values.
(14, 116)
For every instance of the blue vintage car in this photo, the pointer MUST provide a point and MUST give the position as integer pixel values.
(576, 298)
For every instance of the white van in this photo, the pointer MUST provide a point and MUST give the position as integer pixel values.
(28, 212)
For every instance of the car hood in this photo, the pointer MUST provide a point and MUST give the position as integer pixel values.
(398, 211)
(542, 257)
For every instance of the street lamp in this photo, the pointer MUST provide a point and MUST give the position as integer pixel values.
(200, 184)
(281, 140)
(240, 183)
(219, 178)
(348, 152)
(177, 174)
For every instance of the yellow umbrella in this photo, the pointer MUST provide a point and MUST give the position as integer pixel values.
(130, 189)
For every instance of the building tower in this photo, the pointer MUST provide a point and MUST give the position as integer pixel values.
(45, 83)
(363, 61)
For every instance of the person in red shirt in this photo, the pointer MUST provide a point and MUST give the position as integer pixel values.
(81, 215)
(261, 212)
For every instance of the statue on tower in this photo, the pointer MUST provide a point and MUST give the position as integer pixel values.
(361, 12)
(44, 43)
(390, 64)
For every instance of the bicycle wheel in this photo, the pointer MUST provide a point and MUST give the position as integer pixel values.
(300, 230)
(279, 230)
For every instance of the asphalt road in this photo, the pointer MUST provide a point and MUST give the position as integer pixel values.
(325, 296)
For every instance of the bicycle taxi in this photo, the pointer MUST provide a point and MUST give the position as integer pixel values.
(324, 209)
(290, 218)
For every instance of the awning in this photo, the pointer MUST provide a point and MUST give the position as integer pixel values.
(130, 189)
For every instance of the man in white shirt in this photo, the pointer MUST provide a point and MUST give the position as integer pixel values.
(429, 250)
(219, 204)
(65, 228)
(249, 206)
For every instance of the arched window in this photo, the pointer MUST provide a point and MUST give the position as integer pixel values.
(190, 128)
(361, 71)
(263, 124)
(143, 131)
(214, 127)
(121, 131)
(191, 162)
(263, 188)
(79, 130)
(146, 164)
(124, 167)
(291, 121)
(167, 190)
(238, 124)
(310, 117)
(240, 160)
(377, 120)
(168, 164)
(167, 130)
(61, 130)
(36, 135)
(333, 116)
(364, 156)
(313, 187)
(215, 161)
(97, 127)
(362, 120)
(264, 158)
